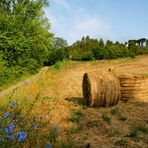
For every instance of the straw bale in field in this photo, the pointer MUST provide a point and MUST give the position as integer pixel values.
(101, 88)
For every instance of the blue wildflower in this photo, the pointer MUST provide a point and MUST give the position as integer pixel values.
(2, 140)
(35, 126)
(6, 114)
(6, 130)
(11, 128)
(11, 137)
(48, 146)
(13, 104)
(12, 115)
(21, 136)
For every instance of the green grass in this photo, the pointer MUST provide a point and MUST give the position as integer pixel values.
(12, 79)
(106, 117)
(136, 131)
(118, 114)
(60, 64)
(133, 133)
(114, 111)
(76, 116)
(121, 142)
(68, 144)
(75, 129)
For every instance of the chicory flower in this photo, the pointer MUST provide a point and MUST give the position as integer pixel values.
(21, 136)
(6, 114)
(13, 104)
(11, 137)
(48, 146)
(11, 128)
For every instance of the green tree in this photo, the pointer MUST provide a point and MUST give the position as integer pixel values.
(101, 43)
(109, 44)
(59, 43)
(59, 51)
(24, 32)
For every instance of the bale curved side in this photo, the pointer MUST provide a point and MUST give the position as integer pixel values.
(101, 88)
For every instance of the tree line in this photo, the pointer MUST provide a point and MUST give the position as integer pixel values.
(91, 49)
(88, 49)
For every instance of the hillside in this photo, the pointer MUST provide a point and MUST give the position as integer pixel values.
(59, 92)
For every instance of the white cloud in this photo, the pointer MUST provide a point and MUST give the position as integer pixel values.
(62, 3)
(92, 26)
(77, 23)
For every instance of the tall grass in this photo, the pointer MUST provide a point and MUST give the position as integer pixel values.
(23, 123)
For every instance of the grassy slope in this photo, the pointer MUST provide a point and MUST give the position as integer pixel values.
(13, 82)
(60, 96)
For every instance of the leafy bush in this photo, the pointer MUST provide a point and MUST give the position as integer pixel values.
(57, 55)
(87, 56)
(100, 53)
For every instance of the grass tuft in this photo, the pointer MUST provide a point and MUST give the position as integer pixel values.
(121, 142)
(106, 117)
(76, 116)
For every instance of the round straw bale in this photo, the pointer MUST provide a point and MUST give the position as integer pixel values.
(101, 88)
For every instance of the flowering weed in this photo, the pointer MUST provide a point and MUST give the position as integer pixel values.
(23, 129)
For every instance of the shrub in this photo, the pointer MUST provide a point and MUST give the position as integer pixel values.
(101, 53)
(57, 55)
(87, 56)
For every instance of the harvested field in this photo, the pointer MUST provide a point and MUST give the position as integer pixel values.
(60, 102)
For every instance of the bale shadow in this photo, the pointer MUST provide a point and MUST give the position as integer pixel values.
(76, 100)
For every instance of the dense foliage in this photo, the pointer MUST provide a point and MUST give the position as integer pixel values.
(91, 49)
(58, 52)
(25, 40)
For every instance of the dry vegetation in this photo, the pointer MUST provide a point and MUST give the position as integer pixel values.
(101, 88)
(59, 92)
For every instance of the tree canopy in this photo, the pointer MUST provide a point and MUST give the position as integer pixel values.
(90, 49)
(25, 37)
(24, 32)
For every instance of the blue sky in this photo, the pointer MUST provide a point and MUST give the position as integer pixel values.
(108, 19)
